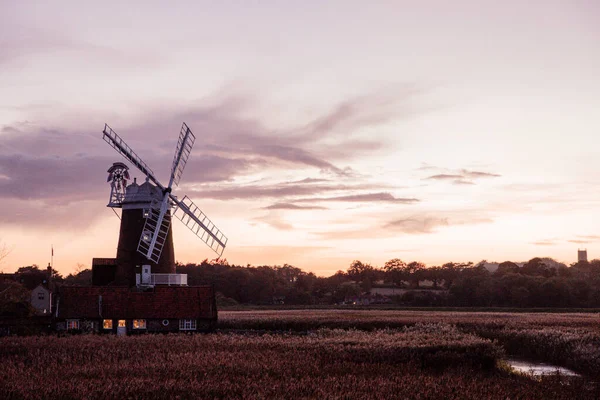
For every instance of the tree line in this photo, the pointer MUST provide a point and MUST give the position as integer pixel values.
(540, 282)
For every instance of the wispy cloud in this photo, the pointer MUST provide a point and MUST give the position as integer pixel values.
(276, 221)
(585, 239)
(416, 225)
(545, 243)
(460, 177)
(65, 165)
(363, 198)
(444, 177)
(291, 206)
(479, 174)
(589, 237)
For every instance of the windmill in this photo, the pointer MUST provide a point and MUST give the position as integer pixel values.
(148, 208)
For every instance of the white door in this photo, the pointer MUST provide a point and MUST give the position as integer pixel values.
(121, 328)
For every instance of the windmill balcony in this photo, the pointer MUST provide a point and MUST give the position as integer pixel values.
(165, 279)
(169, 279)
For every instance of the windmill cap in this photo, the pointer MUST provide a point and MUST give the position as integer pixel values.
(144, 193)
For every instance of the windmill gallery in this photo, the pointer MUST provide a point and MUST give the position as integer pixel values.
(139, 291)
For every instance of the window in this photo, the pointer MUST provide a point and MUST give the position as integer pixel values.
(187, 324)
(107, 324)
(139, 324)
(41, 296)
(121, 323)
(72, 324)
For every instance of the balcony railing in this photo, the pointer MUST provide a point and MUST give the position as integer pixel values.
(168, 279)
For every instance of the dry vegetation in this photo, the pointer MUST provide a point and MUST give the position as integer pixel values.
(314, 354)
(570, 340)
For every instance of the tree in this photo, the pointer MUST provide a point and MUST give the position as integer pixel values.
(395, 271)
(537, 266)
(507, 267)
(82, 277)
(15, 301)
(434, 274)
(363, 273)
(449, 272)
(414, 273)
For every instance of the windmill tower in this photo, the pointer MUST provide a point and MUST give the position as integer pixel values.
(145, 249)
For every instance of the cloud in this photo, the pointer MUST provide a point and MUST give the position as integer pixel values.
(461, 177)
(364, 198)
(589, 237)
(290, 206)
(479, 174)
(462, 182)
(276, 221)
(23, 43)
(585, 239)
(416, 225)
(375, 108)
(308, 180)
(544, 243)
(273, 191)
(444, 177)
(60, 166)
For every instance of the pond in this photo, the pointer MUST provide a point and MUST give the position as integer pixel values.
(537, 368)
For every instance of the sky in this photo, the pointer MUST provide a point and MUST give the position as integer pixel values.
(325, 131)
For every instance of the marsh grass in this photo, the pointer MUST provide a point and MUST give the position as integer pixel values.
(424, 360)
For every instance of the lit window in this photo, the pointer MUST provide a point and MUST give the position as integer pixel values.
(72, 324)
(121, 323)
(107, 324)
(187, 324)
(41, 296)
(139, 324)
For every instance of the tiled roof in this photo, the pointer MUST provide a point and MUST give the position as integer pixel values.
(162, 302)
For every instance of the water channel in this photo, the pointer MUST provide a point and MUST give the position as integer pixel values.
(537, 368)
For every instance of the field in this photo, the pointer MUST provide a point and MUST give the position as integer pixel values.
(314, 354)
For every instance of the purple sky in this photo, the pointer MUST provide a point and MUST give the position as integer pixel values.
(326, 131)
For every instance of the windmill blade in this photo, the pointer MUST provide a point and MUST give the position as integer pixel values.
(182, 153)
(198, 222)
(156, 229)
(121, 147)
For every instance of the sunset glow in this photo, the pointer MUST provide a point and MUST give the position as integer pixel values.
(325, 132)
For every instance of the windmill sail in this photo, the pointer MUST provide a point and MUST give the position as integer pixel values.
(121, 147)
(182, 153)
(154, 234)
(200, 224)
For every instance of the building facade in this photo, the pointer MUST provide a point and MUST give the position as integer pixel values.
(124, 310)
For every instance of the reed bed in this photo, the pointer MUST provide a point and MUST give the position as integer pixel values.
(421, 361)
(570, 340)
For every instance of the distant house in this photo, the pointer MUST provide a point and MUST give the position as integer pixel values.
(41, 300)
(124, 310)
